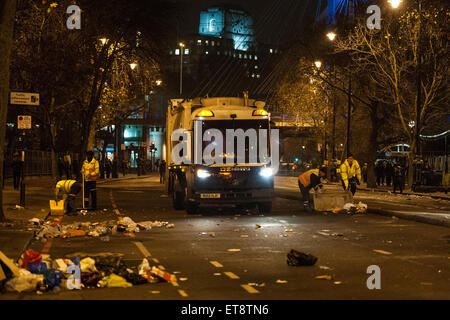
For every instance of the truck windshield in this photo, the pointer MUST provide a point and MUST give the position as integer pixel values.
(245, 125)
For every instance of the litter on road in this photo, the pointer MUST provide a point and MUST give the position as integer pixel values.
(98, 229)
(323, 277)
(296, 258)
(38, 272)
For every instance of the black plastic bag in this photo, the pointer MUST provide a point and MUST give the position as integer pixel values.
(296, 258)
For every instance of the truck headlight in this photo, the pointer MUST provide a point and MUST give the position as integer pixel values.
(266, 172)
(202, 173)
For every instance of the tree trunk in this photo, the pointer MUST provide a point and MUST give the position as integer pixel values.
(55, 172)
(373, 145)
(7, 14)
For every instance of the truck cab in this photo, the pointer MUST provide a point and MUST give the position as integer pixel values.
(227, 161)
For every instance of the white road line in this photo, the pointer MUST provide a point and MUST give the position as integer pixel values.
(143, 249)
(249, 289)
(216, 264)
(183, 293)
(231, 275)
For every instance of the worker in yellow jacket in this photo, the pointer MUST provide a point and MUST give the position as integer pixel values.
(90, 172)
(350, 174)
(309, 180)
(68, 189)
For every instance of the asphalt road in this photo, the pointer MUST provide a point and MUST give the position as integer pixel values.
(413, 257)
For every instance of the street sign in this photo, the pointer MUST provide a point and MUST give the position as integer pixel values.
(23, 122)
(24, 98)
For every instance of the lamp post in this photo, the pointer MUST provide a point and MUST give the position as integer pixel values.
(181, 67)
(331, 36)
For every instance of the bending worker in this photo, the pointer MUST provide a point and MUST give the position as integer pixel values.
(308, 180)
(69, 189)
(350, 174)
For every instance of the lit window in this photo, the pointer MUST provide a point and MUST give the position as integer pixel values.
(206, 52)
(250, 57)
(256, 67)
(218, 53)
(212, 43)
(186, 51)
(206, 42)
(199, 42)
(271, 50)
(218, 43)
(253, 75)
(212, 25)
(234, 55)
(256, 57)
(240, 56)
(245, 56)
(226, 53)
(171, 52)
(258, 76)
(177, 52)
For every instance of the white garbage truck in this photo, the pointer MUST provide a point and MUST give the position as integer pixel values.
(219, 153)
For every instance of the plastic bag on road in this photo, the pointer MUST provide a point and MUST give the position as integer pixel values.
(25, 281)
(296, 258)
(361, 207)
(30, 257)
(114, 281)
(87, 265)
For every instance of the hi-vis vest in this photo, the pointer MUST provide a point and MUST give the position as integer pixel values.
(305, 178)
(64, 186)
(348, 172)
(90, 170)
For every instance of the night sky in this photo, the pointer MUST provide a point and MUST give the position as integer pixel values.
(275, 20)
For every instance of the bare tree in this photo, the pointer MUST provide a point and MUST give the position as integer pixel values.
(7, 13)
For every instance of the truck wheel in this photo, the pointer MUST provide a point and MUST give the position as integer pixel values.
(178, 200)
(192, 208)
(265, 207)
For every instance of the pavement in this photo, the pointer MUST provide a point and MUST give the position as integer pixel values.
(420, 207)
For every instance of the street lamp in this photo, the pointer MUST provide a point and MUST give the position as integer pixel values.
(133, 65)
(103, 40)
(395, 3)
(318, 64)
(181, 44)
(158, 82)
(331, 36)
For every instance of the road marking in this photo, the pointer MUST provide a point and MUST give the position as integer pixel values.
(383, 252)
(143, 249)
(155, 260)
(249, 289)
(183, 293)
(175, 284)
(231, 275)
(161, 267)
(216, 264)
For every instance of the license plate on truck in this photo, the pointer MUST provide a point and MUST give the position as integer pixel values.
(209, 195)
